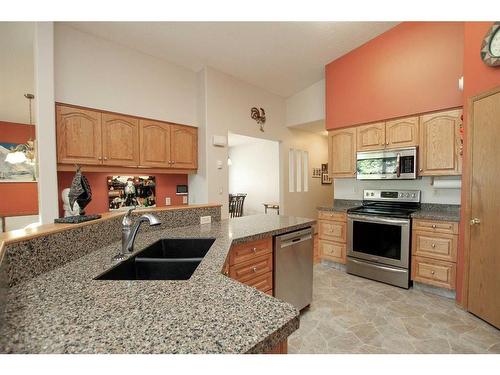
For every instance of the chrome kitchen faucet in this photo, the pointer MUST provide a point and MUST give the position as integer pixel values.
(129, 232)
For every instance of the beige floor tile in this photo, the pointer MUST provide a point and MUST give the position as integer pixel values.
(350, 314)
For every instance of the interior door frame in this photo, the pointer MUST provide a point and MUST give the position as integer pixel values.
(467, 179)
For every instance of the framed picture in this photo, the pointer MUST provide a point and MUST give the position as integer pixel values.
(316, 172)
(325, 179)
(125, 192)
(18, 172)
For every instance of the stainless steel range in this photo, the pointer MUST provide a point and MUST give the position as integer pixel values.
(378, 245)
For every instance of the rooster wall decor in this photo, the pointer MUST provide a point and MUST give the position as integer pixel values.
(259, 116)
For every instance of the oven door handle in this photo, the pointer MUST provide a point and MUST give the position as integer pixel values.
(377, 266)
(378, 219)
(398, 165)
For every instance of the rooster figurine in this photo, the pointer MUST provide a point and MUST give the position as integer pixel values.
(259, 116)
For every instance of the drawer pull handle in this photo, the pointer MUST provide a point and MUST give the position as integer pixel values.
(434, 226)
(433, 245)
(254, 250)
(254, 269)
(433, 272)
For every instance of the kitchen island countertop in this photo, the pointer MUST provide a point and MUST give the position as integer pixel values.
(66, 311)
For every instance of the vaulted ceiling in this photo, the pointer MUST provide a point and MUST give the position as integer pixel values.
(282, 57)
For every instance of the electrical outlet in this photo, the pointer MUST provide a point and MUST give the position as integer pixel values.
(205, 219)
(168, 201)
(184, 199)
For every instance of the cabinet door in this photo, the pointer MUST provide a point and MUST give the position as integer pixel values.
(120, 140)
(401, 133)
(78, 136)
(154, 144)
(440, 144)
(371, 137)
(342, 152)
(184, 147)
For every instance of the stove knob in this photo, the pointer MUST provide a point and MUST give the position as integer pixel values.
(401, 195)
(407, 195)
(413, 195)
(372, 194)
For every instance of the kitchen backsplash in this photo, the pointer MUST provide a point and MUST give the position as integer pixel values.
(353, 189)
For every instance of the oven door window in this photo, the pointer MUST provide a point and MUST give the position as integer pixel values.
(380, 240)
(377, 166)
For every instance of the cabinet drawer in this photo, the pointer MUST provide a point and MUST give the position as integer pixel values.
(250, 250)
(332, 251)
(436, 246)
(333, 230)
(330, 215)
(262, 282)
(447, 227)
(254, 267)
(433, 272)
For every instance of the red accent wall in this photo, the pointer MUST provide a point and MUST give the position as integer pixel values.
(17, 198)
(478, 77)
(412, 68)
(165, 187)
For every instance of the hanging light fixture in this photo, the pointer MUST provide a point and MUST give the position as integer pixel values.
(25, 152)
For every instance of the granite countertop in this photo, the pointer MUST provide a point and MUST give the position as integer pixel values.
(444, 212)
(340, 205)
(67, 311)
(430, 211)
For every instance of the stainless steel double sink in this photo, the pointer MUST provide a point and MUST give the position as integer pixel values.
(166, 259)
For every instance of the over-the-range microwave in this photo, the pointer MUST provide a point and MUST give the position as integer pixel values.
(387, 164)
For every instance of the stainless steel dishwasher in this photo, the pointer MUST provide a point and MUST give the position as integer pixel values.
(293, 267)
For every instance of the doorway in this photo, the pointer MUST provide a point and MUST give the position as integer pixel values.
(482, 253)
(254, 170)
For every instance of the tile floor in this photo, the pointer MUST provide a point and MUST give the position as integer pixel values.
(350, 314)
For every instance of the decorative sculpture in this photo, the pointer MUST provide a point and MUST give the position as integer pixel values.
(81, 194)
(259, 116)
(69, 210)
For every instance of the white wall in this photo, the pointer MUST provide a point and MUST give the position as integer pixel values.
(16, 70)
(307, 105)
(93, 72)
(255, 171)
(353, 189)
(228, 104)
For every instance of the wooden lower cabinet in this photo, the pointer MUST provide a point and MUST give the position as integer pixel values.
(434, 253)
(434, 272)
(281, 348)
(334, 251)
(332, 236)
(251, 263)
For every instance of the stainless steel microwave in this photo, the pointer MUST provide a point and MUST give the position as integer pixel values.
(387, 164)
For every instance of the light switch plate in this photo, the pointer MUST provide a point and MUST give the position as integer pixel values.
(184, 199)
(205, 219)
(168, 201)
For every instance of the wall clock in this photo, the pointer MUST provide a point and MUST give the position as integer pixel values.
(490, 49)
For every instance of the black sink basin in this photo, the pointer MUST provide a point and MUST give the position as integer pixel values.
(181, 248)
(166, 259)
(152, 269)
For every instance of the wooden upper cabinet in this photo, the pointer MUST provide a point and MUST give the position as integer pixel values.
(402, 132)
(342, 152)
(154, 144)
(440, 144)
(78, 136)
(184, 147)
(371, 137)
(120, 140)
